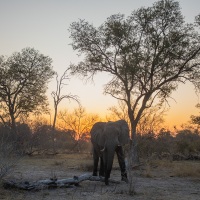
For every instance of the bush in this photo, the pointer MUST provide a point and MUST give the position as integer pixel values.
(185, 143)
(146, 144)
(9, 154)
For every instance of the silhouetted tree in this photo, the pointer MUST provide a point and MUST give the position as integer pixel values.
(151, 120)
(58, 97)
(196, 119)
(23, 84)
(79, 122)
(147, 55)
(118, 112)
(197, 20)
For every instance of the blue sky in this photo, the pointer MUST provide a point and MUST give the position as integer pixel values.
(43, 24)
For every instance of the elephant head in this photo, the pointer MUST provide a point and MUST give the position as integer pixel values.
(106, 138)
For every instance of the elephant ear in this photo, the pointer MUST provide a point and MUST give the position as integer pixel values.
(101, 140)
(97, 135)
(123, 137)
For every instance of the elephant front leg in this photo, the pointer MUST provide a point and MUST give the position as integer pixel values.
(121, 160)
(106, 171)
(95, 162)
(107, 176)
(101, 171)
(108, 162)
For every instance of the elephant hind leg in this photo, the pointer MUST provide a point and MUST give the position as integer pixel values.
(96, 161)
(101, 171)
(107, 176)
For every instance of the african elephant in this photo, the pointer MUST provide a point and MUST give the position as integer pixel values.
(108, 138)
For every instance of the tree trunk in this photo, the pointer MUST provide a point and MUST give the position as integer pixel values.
(53, 129)
(134, 145)
(55, 116)
(15, 135)
(13, 124)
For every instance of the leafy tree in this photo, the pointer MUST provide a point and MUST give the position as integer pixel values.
(23, 84)
(147, 55)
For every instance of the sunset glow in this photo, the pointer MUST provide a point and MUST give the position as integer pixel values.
(44, 26)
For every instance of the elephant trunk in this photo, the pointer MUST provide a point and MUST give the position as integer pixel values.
(109, 157)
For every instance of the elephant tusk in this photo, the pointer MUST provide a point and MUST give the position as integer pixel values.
(102, 149)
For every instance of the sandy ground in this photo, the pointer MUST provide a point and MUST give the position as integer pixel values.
(157, 180)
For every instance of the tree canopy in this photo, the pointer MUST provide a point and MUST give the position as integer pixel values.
(23, 84)
(147, 55)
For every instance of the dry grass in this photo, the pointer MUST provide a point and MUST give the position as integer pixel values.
(154, 178)
(148, 171)
(84, 162)
(187, 169)
(160, 163)
(86, 166)
(181, 168)
(161, 168)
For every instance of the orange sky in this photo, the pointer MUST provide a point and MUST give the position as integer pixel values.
(183, 105)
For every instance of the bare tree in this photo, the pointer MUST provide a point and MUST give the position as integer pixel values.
(151, 120)
(118, 112)
(79, 122)
(58, 97)
(147, 55)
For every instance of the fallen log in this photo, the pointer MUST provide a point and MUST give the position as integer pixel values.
(53, 183)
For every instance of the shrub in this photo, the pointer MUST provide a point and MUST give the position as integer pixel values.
(187, 142)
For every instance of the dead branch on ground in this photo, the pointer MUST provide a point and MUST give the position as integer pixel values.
(53, 183)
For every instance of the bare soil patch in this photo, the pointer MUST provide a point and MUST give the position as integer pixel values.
(157, 179)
